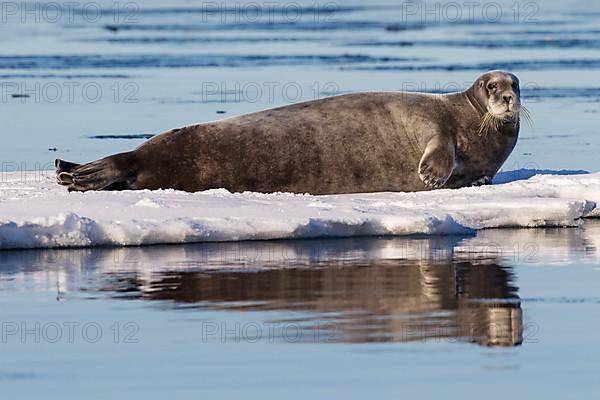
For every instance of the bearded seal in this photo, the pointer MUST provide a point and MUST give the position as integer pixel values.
(361, 142)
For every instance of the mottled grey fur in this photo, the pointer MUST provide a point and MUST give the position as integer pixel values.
(363, 142)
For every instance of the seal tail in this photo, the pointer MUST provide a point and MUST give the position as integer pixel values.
(105, 174)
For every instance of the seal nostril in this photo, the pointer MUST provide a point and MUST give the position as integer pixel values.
(508, 99)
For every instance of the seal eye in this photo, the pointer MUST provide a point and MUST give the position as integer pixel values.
(492, 86)
(515, 85)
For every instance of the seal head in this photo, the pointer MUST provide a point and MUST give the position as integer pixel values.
(498, 93)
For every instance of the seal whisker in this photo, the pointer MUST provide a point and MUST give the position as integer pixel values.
(483, 124)
(488, 122)
(524, 112)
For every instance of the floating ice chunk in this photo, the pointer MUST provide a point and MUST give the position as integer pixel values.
(38, 213)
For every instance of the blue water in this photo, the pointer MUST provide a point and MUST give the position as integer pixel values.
(506, 313)
(502, 313)
(157, 65)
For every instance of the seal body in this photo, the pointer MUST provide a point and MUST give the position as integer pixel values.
(362, 142)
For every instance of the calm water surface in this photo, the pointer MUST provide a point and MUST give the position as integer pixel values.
(501, 313)
(163, 64)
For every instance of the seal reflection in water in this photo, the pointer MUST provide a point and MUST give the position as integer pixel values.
(362, 142)
(373, 301)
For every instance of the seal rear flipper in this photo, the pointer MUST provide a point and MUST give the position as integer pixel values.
(104, 174)
(64, 166)
(63, 169)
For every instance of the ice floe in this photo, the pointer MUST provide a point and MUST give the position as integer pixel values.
(37, 213)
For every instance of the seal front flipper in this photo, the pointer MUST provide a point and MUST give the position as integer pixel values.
(437, 163)
(105, 174)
